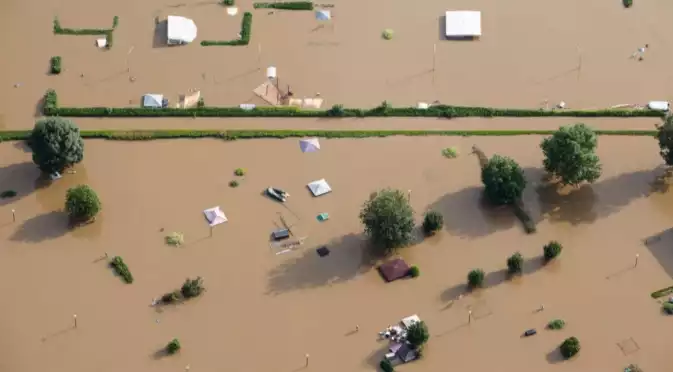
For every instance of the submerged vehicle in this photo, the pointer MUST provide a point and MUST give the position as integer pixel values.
(277, 194)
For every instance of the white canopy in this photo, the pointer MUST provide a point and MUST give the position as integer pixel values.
(408, 321)
(319, 187)
(153, 100)
(215, 216)
(323, 15)
(309, 145)
(658, 105)
(181, 30)
(463, 23)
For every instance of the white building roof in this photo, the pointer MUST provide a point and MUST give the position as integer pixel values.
(181, 30)
(463, 23)
(153, 100)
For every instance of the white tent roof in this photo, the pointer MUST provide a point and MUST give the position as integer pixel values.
(323, 15)
(309, 144)
(153, 100)
(215, 216)
(319, 187)
(181, 30)
(463, 23)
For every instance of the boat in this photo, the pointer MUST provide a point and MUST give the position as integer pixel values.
(277, 194)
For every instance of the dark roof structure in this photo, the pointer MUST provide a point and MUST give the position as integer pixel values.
(394, 269)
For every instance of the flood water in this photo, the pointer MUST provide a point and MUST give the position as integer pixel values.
(530, 51)
(264, 311)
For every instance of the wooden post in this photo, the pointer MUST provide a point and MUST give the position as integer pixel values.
(13, 215)
(74, 318)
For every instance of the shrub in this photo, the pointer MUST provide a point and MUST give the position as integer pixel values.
(633, 368)
(627, 3)
(665, 139)
(450, 152)
(662, 292)
(233, 183)
(414, 271)
(7, 194)
(121, 269)
(552, 250)
(171, 297)
(290, 5)
(388, 220)
(556, 324)
(386, 366)
(56, 143)
(336, 111)
(387, 34)
(570, 155)
(418, 334)
(55, 64)
(515, 263)
(176, 239)
(570, 347)
(82, 203)
(201, 103)
(246, 29)
(239, 172)
(432, 222)
(173, 346)
(227, 2)
(475, 278)
(503, 180)
(192, 287)
(667, 307)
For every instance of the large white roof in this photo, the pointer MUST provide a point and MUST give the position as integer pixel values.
(180, 30)
(463, 23)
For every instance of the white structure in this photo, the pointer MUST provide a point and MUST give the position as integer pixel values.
(410, 320)
(463, 23)
(153, 100)
(271, 73)
(323, 15)
(215, 216)
(309, 145)
(180, 30)
(658, 105)
(319, 187)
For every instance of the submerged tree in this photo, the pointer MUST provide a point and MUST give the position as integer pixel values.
(388, 220)
(570, 155)
(503, 180)
(56, 143)
(665, 138)
(82, 203)
(418, 334)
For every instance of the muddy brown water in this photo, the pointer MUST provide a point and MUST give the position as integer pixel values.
(530, 51)
(264, 311)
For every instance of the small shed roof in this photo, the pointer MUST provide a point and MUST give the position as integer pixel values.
(463, 23)
(394, 269)
(180, 30)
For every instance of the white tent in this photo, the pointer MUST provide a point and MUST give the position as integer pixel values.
(181, 30)
(153, 100)
(323, 15)
(215, 216)
(319, 187)
(309, 145)
(463, 23)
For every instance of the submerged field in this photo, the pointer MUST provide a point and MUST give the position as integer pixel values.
(530, 51)
(264, 311)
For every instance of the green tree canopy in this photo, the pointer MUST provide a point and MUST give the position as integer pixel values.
(418, 334)
(665, 137)
(570, 155)
(388, 220)
(503, 180)
(82, 203)
(56, 144)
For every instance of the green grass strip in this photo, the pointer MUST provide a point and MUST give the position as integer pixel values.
(662, 292)
(236, 134)
(119, 266)
(285, 5)
(246, 29)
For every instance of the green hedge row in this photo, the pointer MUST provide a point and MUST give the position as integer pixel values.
(246, 28)
(59, 30)
(119, 266)
(55, 65)
(440, 111)
(230, 135)
(662, 292)
(291, 5)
